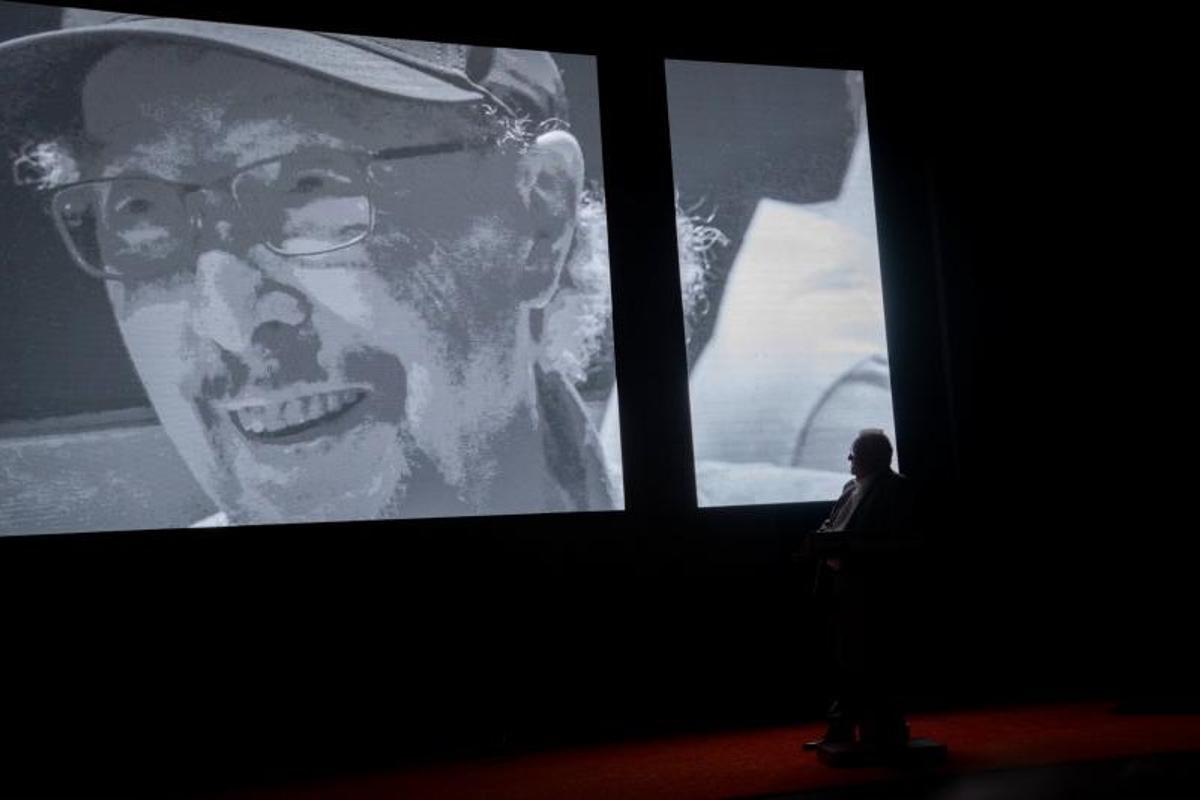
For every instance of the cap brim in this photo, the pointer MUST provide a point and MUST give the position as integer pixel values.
(37, 70)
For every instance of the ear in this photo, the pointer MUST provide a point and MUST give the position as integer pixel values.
(549, 182)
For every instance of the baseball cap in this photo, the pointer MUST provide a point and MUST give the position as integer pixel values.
(45, 70)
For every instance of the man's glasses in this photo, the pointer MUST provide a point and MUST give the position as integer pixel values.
(137, 229)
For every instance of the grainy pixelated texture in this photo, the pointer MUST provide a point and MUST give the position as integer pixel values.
(272, 276)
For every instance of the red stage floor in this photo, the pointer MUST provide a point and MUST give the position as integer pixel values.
(750, 763)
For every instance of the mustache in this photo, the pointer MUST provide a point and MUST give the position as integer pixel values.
(279, 356)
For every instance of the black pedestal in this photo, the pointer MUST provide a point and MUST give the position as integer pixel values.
(917, 753)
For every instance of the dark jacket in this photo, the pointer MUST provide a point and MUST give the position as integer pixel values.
(866, 596)
(882, 523)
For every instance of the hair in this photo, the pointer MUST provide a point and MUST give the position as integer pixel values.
(577, 326)
(873, 449)
(577, 323)
(45, 165)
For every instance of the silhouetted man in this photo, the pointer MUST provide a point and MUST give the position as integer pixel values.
(859, 581)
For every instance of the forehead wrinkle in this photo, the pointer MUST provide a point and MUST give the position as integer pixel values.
(178, 151)
(253, 140)
(196, 119)
(162, 157)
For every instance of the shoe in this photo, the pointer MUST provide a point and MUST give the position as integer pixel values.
(830, 737)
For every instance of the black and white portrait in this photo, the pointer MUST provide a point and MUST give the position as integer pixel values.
(260, 275)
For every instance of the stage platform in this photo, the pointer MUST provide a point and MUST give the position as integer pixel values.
(1043, 751)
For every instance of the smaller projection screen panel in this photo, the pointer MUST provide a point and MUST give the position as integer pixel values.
(780, 277)
(260, 275)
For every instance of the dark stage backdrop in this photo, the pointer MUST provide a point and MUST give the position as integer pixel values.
(1059, 571)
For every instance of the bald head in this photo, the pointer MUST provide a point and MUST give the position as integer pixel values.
(871, 453)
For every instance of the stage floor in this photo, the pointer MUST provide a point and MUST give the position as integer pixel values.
(1077, 749)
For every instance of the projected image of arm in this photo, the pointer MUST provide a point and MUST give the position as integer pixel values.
(789, 358)
(351, 273)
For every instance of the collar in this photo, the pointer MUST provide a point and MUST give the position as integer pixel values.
(574, 456)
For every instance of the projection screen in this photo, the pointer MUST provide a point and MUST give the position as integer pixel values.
(261, 275)
(780, 277)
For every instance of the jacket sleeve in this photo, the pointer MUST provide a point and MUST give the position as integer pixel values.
(883, 527)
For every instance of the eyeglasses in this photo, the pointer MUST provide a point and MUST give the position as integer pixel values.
(134, 229)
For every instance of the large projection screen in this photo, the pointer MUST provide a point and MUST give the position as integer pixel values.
(260, 275)
(780, 277)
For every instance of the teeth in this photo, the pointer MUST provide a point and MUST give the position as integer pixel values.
(279, 417)
(253, 419)
(291, 413)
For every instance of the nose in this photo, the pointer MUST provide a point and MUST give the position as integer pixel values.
(240, 290)
(235, 299)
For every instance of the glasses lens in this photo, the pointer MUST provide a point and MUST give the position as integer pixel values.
(306, 204)
(126, 227)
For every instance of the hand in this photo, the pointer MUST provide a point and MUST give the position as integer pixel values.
(834, 564)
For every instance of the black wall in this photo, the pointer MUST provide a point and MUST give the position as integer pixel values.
(1026, 403)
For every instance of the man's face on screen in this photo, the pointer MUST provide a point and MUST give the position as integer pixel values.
(322, 385)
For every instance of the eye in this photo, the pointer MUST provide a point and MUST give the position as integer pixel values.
(75, 217)
(134, 206)
(317, 180)
(307, 184)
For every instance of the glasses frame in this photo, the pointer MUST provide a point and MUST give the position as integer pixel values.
(226, 185)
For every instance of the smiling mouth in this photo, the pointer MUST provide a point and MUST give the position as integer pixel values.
(297, 415)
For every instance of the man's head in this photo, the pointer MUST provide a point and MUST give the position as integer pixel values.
(325, 290)
(870, 454)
